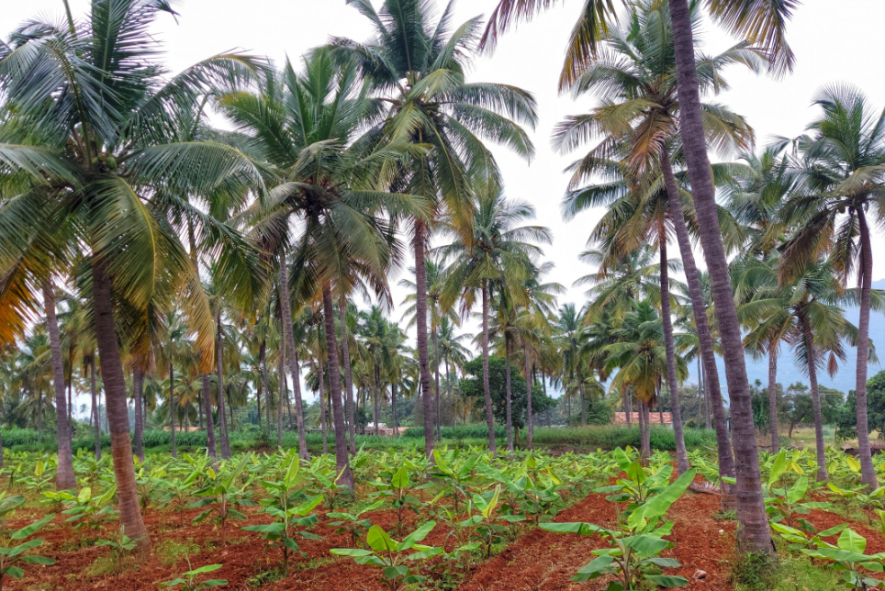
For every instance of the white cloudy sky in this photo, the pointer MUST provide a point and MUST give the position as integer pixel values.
(834, 42)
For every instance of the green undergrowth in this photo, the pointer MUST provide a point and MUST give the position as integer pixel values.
(788, 574)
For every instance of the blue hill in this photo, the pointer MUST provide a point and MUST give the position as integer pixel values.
(789, 372)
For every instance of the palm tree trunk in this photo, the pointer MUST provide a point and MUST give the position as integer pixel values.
(321, 378)
(265, 380)
(95, 410)
(436, 382)
(811, 353)
(172, 408)
(486, 389)
(117, 408)
(420, 243)
(293, 360)
(64, 478)
(138, 382)
(581, 395)
(627, 410)
(643, 454)
(755, 532)
(507, 393)
(672, 383)
(210, 420)
(283, 394)
(348, 372)
(529, 382)
(376, 393)
(868, 473)
(699, 310)
(342, 458)
(393, 408)
(772, 397)
(222, 415)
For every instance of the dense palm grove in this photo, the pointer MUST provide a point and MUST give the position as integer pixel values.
(184, 276)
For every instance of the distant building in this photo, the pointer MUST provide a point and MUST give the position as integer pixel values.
(383, 429)
(653, 417)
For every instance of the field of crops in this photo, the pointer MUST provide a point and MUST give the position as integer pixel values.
(466, 521)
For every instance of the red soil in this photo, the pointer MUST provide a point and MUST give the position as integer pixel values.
(538, 560)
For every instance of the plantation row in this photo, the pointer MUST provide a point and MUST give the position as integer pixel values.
(480, 503)
(605, 437)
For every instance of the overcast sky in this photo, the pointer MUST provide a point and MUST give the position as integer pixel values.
(833, 41)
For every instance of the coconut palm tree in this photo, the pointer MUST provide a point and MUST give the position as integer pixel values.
(417, 70)
(764, 28)
(804, 314)
(101, 124)
(496, 256)
(65, 478)
(842, 176)
(639, 360)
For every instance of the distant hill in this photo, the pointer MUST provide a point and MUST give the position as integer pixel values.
(788, 372)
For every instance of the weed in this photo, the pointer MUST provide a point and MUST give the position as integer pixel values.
(723, 515)
(266, 578)
(754, 571)
(796, 573)
(170, 552)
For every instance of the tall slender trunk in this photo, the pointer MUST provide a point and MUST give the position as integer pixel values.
(811, 353)
(699, 310)
(755, 532)
(117, 408)
(70, 383)
(342, 458)
(627, 410)
(172, 408)
(529, 382)
(265, 379)
(95, 411)
(581, 395)
(321, 378)
(436, 381)
(420, 243)
(486, 389)
(293, 360)
(642, 452)
(210, 420)
(348, 372)
(868, 473)
(393, 408)
(219, 371)
(204, 377)
(568, 399)
(508, 395)
(138, 385)
(672, 383)
(772, 397)
(376, 394)
(283, 394)
(64, 478)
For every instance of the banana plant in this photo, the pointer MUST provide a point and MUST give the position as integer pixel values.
(394, 557)
(633, 556)
(399, 492)
(89, 511)
(848, 558)
(454, 478)
(787, 503)
(190, 581)
(221, 494)
(326, 482)
(121, 545)
(353, 523)
(13, 557)
(638, 485)
(860, 497)
(485, 521)
(7, 506)
(286, 514)
(798, 540)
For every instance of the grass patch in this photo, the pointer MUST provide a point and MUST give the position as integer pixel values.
(104, 565)
(169, 552)
(265, 578)
(730, 515)
(792, 574)
(754, 571)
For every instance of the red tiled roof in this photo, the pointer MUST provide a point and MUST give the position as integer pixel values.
(653, 417)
